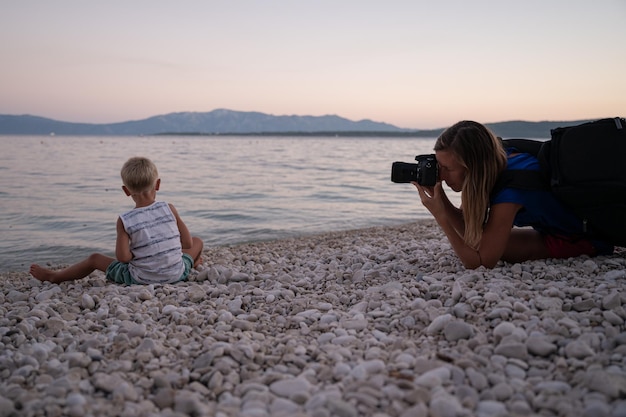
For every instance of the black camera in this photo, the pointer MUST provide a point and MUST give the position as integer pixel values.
(425, 172)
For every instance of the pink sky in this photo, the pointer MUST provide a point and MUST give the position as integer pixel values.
(409, 63)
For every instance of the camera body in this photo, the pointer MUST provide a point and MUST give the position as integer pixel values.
(425, 172)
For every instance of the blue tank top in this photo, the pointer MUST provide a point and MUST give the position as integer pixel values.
(541, 210)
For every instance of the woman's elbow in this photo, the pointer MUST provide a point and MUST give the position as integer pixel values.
(471, 265)
(475, 263)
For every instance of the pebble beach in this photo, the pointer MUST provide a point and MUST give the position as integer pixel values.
(377, 322)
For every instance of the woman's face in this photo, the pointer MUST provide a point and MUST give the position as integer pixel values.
(450, 169)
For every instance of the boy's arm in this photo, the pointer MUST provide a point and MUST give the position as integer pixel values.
(122, 243)
(185, 235)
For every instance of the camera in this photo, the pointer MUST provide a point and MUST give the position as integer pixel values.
(425, 172)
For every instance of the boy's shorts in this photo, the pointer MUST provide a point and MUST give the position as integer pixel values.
(566, 247)
(118, 272)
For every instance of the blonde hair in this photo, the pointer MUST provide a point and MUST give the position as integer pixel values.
(482, 155)
(139, 174)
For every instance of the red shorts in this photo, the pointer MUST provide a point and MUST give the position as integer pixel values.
(568, 247)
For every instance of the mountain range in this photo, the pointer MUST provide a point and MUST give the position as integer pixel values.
(229, 122)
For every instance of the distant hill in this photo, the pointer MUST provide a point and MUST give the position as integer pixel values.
(229, 122)
(530, 130)
(219, 121)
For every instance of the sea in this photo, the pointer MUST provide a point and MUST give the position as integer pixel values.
(60, 196)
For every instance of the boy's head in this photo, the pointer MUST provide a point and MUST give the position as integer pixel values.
(139, 175)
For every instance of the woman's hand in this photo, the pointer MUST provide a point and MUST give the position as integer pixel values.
(433, 198)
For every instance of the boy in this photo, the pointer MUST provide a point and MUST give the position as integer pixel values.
(153, 244)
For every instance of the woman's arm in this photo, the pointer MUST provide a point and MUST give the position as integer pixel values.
(497, 233)
(494, 240)
(495, 236)
(185, 236)
(455, 214)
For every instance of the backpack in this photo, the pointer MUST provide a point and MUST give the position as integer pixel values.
(584, 166)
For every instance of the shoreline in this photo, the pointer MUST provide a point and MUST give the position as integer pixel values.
(379, 321)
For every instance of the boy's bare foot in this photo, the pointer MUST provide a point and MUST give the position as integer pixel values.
(41, 273)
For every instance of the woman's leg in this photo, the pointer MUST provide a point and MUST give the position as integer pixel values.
(80, 270)
(525, 245)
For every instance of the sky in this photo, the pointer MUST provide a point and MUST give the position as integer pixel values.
(411, 63)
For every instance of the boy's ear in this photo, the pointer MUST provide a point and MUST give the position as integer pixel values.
(126, 190)
(158, 184)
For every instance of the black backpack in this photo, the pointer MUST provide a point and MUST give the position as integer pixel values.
(585, 167)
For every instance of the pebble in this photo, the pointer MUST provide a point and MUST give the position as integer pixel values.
(540, 346)
(578, 349)
(87, 302)
(512, 350)
(457, 330)
(378, 322)
(290, 388)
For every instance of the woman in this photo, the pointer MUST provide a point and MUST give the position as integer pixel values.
(481, 232)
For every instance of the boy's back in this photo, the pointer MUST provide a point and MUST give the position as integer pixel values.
(155, 244)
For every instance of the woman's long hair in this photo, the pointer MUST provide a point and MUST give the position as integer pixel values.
(482, 155)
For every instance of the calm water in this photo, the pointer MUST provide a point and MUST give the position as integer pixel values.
(60, 196)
